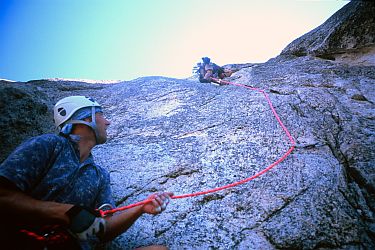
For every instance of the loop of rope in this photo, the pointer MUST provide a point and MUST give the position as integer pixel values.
(52, 235)
(111, 211)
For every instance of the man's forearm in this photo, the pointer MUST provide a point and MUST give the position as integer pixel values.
(23, 209)
(119, 223)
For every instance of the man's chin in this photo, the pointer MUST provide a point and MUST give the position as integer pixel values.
(102, 140)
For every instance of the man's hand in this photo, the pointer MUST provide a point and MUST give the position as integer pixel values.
(85, 222)
(158, 202)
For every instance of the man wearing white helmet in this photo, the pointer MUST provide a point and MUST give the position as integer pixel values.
(50, 186)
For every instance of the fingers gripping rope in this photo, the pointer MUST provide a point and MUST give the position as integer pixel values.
(291, 140)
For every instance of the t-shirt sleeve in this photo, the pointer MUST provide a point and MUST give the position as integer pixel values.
(29, 162)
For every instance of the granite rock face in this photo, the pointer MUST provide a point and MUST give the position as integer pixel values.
(184, 136)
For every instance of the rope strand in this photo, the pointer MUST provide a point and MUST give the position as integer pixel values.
(103, 213)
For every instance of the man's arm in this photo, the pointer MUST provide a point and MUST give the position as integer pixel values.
(119, 223)
(24, 210)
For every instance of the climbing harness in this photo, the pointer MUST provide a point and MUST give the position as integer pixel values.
(48, 237)
(111, 211)
(57, 235)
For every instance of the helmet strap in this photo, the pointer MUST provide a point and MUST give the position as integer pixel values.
(91, 124)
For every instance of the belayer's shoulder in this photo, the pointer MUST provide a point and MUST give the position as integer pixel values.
(48, 139)
(52, 137)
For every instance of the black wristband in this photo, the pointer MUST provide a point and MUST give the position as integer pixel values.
(81, 218)
(73, 211)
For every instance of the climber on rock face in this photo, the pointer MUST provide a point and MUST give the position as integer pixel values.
(51, 190)
(208, 70)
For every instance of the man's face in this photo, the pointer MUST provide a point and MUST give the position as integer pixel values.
(101, 126)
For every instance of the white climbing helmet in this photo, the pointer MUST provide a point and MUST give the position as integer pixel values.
(66, 107)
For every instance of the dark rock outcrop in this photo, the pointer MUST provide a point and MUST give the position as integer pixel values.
(185, 136)
(24, 113)
(349, 31)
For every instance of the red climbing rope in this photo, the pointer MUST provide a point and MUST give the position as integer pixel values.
(103, 213)
(49, 235)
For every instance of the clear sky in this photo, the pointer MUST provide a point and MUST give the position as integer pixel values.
(126, 39)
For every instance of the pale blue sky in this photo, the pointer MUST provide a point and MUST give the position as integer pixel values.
(123, 40)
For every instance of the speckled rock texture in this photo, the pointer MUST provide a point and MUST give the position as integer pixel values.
(183, 136)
